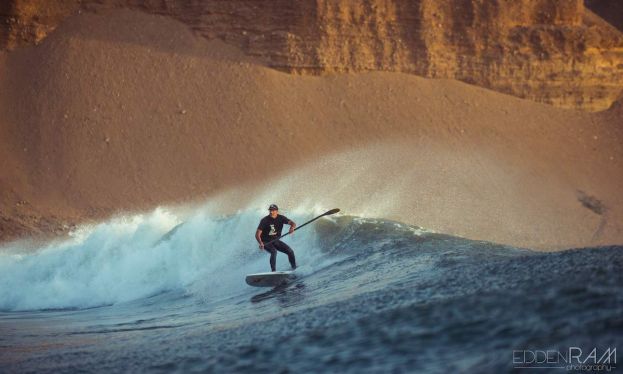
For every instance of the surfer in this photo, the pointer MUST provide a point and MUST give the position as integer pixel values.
(269, 232)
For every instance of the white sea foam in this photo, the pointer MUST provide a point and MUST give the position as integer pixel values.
(126, 259)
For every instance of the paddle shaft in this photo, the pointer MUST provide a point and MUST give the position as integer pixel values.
(332, 211)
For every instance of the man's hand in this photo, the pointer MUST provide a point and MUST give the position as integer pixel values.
(291, 230)
(261, 246)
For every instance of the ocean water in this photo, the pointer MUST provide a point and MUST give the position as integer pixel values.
(158, 293)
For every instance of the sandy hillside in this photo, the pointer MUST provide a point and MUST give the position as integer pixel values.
(122, 111)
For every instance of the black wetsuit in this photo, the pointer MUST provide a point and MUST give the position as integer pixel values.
(271, 230)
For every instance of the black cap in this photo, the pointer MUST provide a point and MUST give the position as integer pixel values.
(273, 207)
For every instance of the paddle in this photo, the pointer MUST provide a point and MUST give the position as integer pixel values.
(332, 211)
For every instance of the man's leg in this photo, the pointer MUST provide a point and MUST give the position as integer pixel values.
(273, 255)
(283, 247)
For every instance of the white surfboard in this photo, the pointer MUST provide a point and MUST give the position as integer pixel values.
(272, 279)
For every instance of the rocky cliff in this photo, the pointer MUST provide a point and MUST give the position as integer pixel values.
(24, 22)
(552, 51)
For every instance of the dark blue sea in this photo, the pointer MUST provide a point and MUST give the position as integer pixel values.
(151, 293)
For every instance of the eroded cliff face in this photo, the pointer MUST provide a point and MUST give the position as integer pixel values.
(25, 22)
(551, 51)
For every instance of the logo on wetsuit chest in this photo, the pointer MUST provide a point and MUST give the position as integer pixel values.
(272, 230)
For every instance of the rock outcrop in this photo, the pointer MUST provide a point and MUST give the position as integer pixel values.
(24, 22)
(551, 51)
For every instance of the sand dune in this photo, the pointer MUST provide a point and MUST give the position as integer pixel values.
(124, 111)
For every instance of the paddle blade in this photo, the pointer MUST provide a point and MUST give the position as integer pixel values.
(332, 211)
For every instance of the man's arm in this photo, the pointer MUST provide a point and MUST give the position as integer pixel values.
(258, 237)
(292, 226)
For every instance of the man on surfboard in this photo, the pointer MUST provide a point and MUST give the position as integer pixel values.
(268, 234)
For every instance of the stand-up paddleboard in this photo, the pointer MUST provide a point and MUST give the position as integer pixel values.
(272, 279)
(278, 278)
